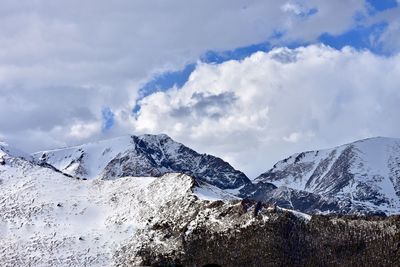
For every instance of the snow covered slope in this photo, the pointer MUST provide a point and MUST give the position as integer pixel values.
(49, 219)
(145, 155)
(365, 173)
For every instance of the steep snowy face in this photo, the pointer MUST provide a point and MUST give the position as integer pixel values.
(146, 155)
(366, 173)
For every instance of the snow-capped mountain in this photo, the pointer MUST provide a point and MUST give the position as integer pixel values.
(48, 218)
(145, 155)
(362, 176)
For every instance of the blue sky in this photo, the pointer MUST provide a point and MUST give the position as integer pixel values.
(380, 5)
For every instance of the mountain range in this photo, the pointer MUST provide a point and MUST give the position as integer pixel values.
(357, 178)
(143, 200)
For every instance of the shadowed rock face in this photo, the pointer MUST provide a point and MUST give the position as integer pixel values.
(160, 155)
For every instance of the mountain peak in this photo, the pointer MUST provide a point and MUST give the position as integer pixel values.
(364, 172)
(143, 155)
(161, 136)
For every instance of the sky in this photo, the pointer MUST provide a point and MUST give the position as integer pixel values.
(249, 81)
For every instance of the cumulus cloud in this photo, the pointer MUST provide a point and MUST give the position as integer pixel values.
(261, 109)
(61, 64)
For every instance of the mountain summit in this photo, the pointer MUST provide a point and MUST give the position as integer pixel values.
(145, 155)
(365, 173)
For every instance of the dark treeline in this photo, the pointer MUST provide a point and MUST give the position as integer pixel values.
(287, 240)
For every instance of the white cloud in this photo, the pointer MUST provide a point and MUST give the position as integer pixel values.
(291, 7)
(270, 105)
(296, 8)
(298, 136)
(83, 130)
(61, 63)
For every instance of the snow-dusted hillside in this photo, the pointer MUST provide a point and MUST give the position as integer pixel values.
(49, 219)
(365, 173)
(145, 155)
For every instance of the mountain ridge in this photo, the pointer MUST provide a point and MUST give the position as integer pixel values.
(48, 218)
(145, 155)
(365, 172)
(346, 179)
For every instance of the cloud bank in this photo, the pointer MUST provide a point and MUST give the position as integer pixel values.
(256, 111)
(62, 64)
